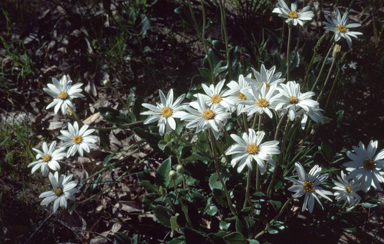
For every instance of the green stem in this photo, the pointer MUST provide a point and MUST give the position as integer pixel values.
(333, 85)
(257, 177)
(288, 47)
(279, 125)
(187, 142)
(245, 122)
(247, 195)
(260, 120)
(212, 138)
(117, 127)
(322, 67)
(121, 100)
(254, 121)
(274, 219)
(185, 209)
(326, 80)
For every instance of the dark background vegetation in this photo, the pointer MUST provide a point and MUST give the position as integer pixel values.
(143, 46)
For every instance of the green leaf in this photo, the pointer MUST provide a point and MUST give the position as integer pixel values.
(152, 138)
(214, 182)
(224, 225)
(351, 230)
(163, 215)
(340, 116)
(205, 73)
(193, 237)
(327, 151)
(174, 224)
(137, 108)
(176, 241)
(149, 187)
(113, 116)
(219, 68)
(253, 242)
(234, 54)
(215, 57)
(71, 207)
(162, 173)
(275, 204)
(235, 238)
(220, 197)
(368, 205)
(163, 144)
(120, 238)
(246, 226)
(129, 100)
(104, 138)
(107, 159)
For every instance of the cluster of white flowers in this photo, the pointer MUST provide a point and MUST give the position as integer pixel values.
(76, 140)
(339, 25)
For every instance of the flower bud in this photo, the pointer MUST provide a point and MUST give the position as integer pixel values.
(69, 111)
(180, 169)
(336, 51)
(107, 83)
(172, 175)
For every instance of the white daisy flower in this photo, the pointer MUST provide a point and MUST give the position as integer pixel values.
(63, 92)
(267, 77)
(77, 140)
(313, 113)
(308, 185)
(346, 190)
(164, 112)
(340, 26)
(249, 148)
(204, 116)
(234, 93)
(291, 99)
(214, 95)
(260, 101)
(63, 189)
(365, 165)
(292, 15)
(47, 158)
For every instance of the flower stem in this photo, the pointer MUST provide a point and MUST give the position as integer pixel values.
(322, 67)
(117, 127)
(274, 219)
(247, 187)
(185, 209)
(288, 47)
(212, 139)
(245, 122)
(326, 80)
(187, 142)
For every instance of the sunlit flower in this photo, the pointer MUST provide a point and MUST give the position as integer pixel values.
(292, 15)
(308, 185)
(214, 95)
(249, 148)
(164, 112)
(261, 101)
(313, 113)
(203, 116)
(267, 77)
(365, 165)
(234, 94)
(77, 140)
(63, 92)
(346, 190)
(340, 26)
(47, 158)
(63, 189)
(291, 99)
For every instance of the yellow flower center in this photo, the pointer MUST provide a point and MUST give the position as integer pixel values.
(341, 28)
(46, 157)
(166, 112)
(242, 96)
(292, 14)
(369, 164)
(267, 85)
(216, 99)
(252, 148)
(208, 114)
(262, 102)
(63, 95)
(348, 189)
(293, 100)
(59, 192)
(77, 139)
(309, 186)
